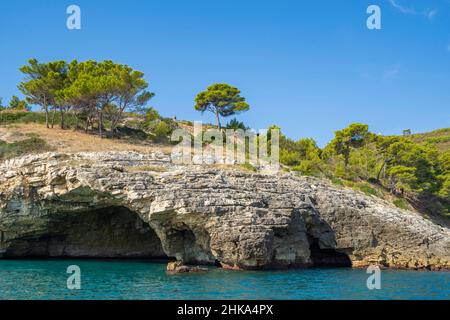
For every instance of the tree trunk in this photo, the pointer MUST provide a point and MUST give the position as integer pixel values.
(46, 112)
(347, 156)
(53, 118)
(100, 124)
(76, 121)
(383, 169)
(88, 121)
(113, 126)
(61, 111)
(46, 117)
(380, 171)
(218, 120)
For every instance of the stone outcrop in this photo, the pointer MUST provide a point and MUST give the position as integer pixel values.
(135, 205)
(179, 267)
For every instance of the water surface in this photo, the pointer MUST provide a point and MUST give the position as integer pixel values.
(31, 279)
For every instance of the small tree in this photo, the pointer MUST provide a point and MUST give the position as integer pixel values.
(161, 132)
(130, 92)
(106, 89)
(236, 124)
(222, 100)
(17, 105)
(42, 83)
(354, 136)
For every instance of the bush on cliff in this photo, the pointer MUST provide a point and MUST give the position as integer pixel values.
(20, 148)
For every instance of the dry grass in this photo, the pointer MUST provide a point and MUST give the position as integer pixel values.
(147, 169)
(76, 141)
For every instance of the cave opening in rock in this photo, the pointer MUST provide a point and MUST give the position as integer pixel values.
(327, 257)
(113, 232)
(188, 246)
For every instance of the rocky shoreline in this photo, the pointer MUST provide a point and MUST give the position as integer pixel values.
(131, 205)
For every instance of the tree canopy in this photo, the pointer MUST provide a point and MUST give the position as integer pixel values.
(42, 83)
(17, 104)
(92, 90)
(222, 100)
(397, 163)
(354, 136)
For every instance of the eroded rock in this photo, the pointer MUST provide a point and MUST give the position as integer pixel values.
(179, 267)
(203, 215)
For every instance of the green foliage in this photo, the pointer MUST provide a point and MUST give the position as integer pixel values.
(412, 166)
(401, 203)
(444, 175)
(436, 140)
(11, 117)
(352, 137)
(249, 167)
(16, 149)
(303, 155)
(336, 181)
(17, 105)
(7, 117)
(99, 94)
(364, 161)
(105, 89)
(152, 115)
(367, 189)
(151, 119)
(92, 91)
(161, 132)
(158, 128)
(235, 125)
(289, 158)
(131, 133)
(43, 83)
(222, 100)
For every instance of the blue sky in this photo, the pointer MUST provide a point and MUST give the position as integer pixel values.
(311, 67)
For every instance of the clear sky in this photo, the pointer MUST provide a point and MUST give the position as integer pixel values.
(311, 67)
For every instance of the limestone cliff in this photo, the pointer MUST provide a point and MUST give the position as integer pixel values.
(135, 205)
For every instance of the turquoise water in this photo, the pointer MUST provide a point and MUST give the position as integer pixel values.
(21, 279)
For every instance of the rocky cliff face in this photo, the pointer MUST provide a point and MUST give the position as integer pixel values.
(134, 205)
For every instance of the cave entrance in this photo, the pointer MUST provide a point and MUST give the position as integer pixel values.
(188, 246)
(327, 257)
(113, 232)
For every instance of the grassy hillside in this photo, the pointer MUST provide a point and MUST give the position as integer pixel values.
(440, 138)
(25, 132)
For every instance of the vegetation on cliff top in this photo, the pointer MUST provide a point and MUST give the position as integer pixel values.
(111, 100)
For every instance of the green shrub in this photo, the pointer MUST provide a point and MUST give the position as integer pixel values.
(33, 117)
(129, 132)
(336, 181)
(10, 117)
(442, 139)
(189, 123)
(236, 124)
(151, 115)
(247, 166)
(401, 203)
(19, 148)
(161, 132)
(367, 189)
(7, 117)
(289, 158)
